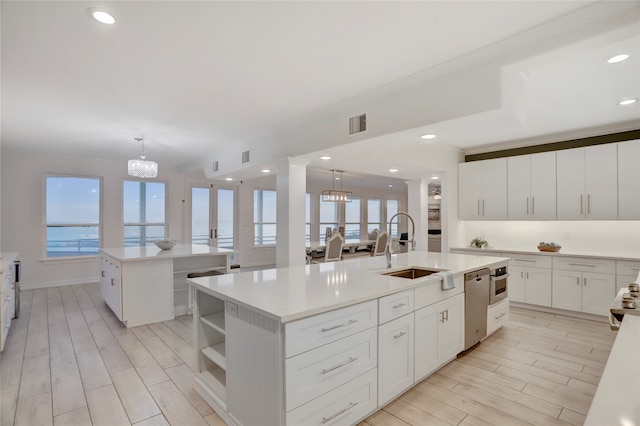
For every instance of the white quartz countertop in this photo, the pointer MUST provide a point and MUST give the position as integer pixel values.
(6, 259)
(288, 294)
(124, 254)
(610, 253)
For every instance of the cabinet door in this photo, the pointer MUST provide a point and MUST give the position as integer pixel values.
(538, 286)
(451, 330)
(519, 187)
(426, 341)
(598, 291)
(570, 184)
(516, 287)
(395, 357)
(567, 290)
(543, 186)
(494, 189)
(469, 190)
(629, 180)
(601, 177)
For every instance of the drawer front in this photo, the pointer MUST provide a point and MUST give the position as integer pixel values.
(627, 267)
(431, 293)
(394, 306)
(497, 315)
(347, 404)
(518, 259)
(316, 372)
(585, 264)
(313, 332)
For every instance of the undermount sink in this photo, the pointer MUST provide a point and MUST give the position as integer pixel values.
(412, 273)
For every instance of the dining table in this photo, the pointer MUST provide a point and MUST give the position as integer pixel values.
(351, 243)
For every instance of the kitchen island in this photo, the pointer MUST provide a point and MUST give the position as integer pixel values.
(143, 285)
(328, 343)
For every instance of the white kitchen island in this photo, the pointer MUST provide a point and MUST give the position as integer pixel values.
(143, 285)
(328, 343)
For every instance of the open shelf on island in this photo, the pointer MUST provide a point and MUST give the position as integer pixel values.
(216, 353)
(222, 269)
(215, 321)
(216, 381)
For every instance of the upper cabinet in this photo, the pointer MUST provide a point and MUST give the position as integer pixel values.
(531, 187)
(629, 180)
(587, 183)
(483, 190)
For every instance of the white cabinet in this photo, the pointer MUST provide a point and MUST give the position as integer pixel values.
(439, 330)
(111, 284)
(482, 190)
(7, 295)
(531, 187)
(629, 180)
(497, 315)
(587, 183)
(530, 285)
(395, 357)
(627, 271)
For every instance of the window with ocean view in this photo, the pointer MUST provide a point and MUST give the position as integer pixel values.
(374, 218)
(143, 212)
(328, 217)
(352, 219)
(264, 217)
(72, 216)
(392, 208)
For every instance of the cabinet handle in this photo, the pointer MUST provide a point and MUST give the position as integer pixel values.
(399, 335)
(342, 364)
(113, 282)
(442, 316)
(103, 274)
(524, 260)
(399, 305)
(522, 275)
(585, 281)
(483, 207)
(583, 264)
(349, 407)
(478, 206)
(527, 275)
(527, 206)
(588, 203)
(500, 316)
(533, 206)
(447, 317)
(344, 324)
(581, 204)
(578, 280)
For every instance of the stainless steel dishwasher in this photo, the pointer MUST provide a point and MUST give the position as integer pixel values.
(476, 301)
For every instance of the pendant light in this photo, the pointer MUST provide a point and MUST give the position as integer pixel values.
(141, 167)
(336, 195)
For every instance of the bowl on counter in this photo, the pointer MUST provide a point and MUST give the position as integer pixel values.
(549, 248)
(165, 244)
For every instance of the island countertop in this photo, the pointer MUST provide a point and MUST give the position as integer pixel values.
(124, 254)
(292, 293)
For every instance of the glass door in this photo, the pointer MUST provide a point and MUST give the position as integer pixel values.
(212, 216)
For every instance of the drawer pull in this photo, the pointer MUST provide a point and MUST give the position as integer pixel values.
(399, 305)
(583, 264)
(525, 260)
(344, 324)
(342, 364)
(500, 316)
(399, 335)
(349, 407)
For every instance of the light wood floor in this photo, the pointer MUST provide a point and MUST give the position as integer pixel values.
(68, 361)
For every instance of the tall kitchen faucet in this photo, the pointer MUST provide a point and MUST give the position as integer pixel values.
(387, 250)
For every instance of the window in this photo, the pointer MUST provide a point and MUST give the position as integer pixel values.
(143, 212)
(225, 218)
(264, 217)
(328, 217)
(200, 215)
(352, 219)
(307, 225)
(392, 208)
(72, 216)
(373, 215)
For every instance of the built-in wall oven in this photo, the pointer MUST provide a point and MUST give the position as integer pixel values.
(498, 288)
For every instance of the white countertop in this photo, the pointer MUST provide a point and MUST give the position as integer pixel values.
(6, 259)
(610, 253)
(288, 294)
(124, 254)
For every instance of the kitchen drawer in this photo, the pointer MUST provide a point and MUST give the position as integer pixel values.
(346, 404)
(627, 267)
(312, 332)
(316, 372)
(585, 264)
(536, 261)
(394, 306)
(431, 293)
(497, 315)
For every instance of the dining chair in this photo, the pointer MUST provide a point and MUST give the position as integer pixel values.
(333, 250)
(381, 243)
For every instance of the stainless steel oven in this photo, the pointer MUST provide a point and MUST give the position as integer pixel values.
(498, 288)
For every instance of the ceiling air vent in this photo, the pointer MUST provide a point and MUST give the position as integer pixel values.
(357, 124)
(214, 166)
(245, 157)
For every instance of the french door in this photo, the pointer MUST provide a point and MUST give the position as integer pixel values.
(213, 216)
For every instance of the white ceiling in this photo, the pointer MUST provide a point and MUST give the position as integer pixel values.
(196, 78)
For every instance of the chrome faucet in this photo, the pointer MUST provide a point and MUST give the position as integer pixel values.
(387, 250)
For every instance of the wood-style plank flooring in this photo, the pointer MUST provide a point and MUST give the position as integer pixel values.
(69, 361)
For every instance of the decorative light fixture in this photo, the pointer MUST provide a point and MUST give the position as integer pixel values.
(437, 194)
(336, 195)
(141, 167)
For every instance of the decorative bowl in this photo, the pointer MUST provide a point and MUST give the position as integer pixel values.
(165, 244)
(549, 248)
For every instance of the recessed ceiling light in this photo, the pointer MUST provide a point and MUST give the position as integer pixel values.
(393, 170)
(265, 171)
(228, 179)
(428, 136)
(390, 186)
(102, 16)
(325, 157)
(627, 102)
(435, 177)
(618, 58)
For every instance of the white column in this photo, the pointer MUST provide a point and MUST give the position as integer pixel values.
(291, 187)
(418, 209)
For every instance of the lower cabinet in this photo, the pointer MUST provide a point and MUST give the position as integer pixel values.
(587, 292)
(530, 285)
(395, 357)
(439, 330)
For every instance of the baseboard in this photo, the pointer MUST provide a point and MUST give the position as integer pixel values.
(79, 281)
(581, 315)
